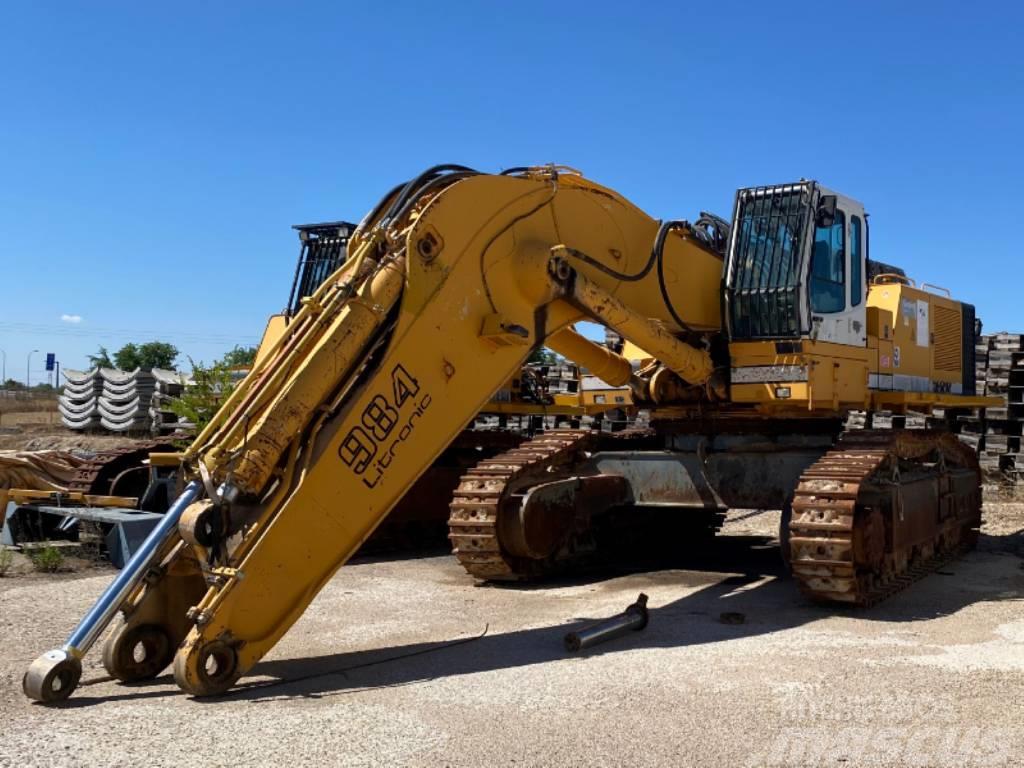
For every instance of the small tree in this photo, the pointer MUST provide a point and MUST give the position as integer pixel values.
(212, 385)
(542, 356)
(152, 354)
(240, 356)
(101, 359)
(14, 384)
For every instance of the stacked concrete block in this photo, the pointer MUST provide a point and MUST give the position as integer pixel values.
(121, 401)
(79, 400)
(124, 403)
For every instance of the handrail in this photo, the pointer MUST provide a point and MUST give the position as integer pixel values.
(937, 288)
(892, 277)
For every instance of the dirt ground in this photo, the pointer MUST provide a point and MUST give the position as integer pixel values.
(36, 426)
(932, 677)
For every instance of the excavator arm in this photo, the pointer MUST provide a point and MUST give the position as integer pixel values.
(450, 283)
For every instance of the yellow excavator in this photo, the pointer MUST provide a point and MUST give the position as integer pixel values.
(758, 336)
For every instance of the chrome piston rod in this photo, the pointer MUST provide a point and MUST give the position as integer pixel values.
(106, 607)
(98, 618)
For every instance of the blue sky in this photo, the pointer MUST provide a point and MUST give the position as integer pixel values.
(153, 156)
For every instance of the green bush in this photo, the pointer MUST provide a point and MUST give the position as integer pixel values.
(6, 560)
(212, 385)
(48, 559)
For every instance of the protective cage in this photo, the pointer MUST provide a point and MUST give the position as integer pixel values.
(322, 251)
(762, 279)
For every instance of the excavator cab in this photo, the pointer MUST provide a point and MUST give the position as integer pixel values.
(795, 266)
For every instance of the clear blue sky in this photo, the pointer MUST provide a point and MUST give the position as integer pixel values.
(153, 156)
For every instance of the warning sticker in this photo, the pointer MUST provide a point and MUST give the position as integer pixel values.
(923, 337)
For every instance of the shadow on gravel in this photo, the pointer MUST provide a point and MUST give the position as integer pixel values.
(769, 601)
(756, 588)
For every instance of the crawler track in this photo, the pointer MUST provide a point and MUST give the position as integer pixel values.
(484, 489)
(880, 511)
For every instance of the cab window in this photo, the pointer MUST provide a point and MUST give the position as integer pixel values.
(856, 276)
(828, 267)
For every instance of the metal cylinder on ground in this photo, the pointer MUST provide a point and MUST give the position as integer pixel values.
(633, 619)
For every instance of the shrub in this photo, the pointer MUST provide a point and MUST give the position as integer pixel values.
(48, 559)
(6, 560)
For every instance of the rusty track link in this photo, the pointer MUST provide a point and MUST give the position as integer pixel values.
(97, 473)
(473, 520)
(841, 547)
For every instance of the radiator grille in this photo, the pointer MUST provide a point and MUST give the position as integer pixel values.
(948, 342)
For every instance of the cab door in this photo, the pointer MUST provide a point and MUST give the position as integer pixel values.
(835, 277)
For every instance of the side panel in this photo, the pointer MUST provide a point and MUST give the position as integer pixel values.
(799, 376)
(927, 334)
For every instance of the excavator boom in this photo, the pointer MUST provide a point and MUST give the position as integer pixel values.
(450, 284)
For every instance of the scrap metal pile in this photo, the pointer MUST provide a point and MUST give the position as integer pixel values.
(40, 470)
(136, 401)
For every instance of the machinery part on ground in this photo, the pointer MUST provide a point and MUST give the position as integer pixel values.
(108, 502)
(100, 474)
(633, 619)
(880, 511)
(40, 470)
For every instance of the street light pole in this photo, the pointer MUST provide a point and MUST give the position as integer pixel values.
(28, 369)
(3, 376)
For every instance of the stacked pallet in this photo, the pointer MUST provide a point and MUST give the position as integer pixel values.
(121, 401)
(996, 432)
(562, 378)
(1013, 461)
(169, 385)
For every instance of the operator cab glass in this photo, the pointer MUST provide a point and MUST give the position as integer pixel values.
(828, 267)
(795, 265)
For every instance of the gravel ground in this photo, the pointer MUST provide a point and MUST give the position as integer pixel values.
(934, 676)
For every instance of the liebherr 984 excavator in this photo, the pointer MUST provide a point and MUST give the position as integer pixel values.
(756, 344)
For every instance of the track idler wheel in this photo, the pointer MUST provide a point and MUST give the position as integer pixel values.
(137, 653)
(52, 677)
(206, 669)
